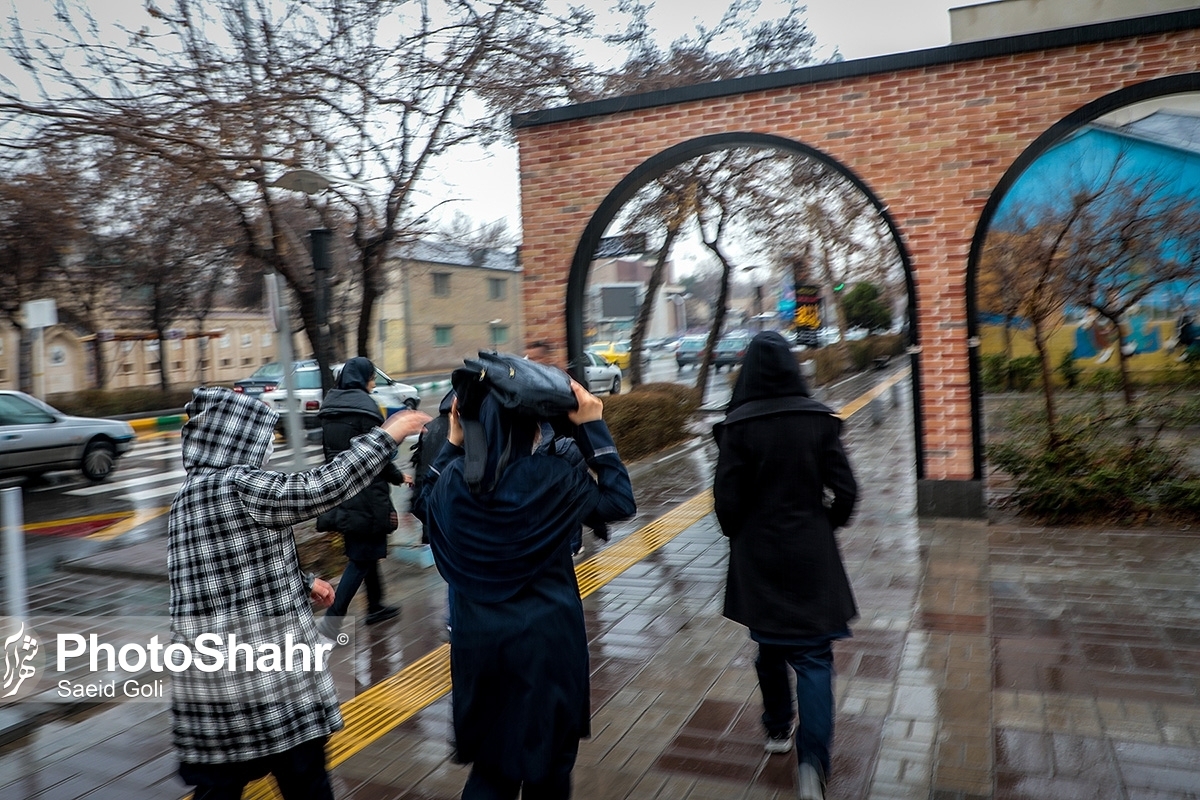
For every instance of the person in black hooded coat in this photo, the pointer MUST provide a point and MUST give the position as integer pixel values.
(779, 455)
(366, 519)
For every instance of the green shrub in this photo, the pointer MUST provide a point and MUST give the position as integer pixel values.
(649, 418)
(1069, 370)
(994, 372)
(1101, 470)
(831, 362)
(1024, 372)
(110, 402)
(1103, 380)
(860, 353)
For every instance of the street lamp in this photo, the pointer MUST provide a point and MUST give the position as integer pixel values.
(310, 182)
(680, 301)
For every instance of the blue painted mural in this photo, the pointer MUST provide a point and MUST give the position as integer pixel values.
(1159, 153)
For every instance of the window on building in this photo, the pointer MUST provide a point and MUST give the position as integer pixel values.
(152, 366)
(441, 283)
(443, 335)
(497, 288)
(225, 362)
(176, 366)
(499, 335)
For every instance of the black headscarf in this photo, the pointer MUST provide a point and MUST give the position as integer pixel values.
(769, 370)
(488, 544)
(356, 373)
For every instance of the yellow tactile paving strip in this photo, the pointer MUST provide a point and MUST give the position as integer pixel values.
(130, 521)
(392, 701)
(860, 402)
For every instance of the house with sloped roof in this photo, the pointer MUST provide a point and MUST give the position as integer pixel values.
(445, 302)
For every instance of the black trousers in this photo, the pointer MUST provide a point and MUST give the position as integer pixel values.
(300, 773)
(486, 783)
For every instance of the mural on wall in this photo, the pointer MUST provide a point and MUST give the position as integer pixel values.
(1097, 246)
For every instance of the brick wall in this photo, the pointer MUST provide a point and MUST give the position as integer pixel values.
(930, 142)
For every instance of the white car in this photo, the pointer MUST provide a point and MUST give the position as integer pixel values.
(37, 438)
(602, 377)
(392, 395)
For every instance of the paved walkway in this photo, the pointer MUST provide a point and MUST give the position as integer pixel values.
(989, 662)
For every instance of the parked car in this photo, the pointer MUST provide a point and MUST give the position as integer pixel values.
(618, 353)
(602, 377)
(37, 438)
(264, 379)
(392, 395)
(690, 350)
(730, 350)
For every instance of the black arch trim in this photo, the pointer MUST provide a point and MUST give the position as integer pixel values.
(684, 151)
(840, 70)
(1159, 87)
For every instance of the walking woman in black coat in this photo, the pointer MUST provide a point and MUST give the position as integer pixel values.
(366, 519)
(779, 456)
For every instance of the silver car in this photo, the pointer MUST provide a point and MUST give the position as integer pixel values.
(602, 377)
(392, 395)
(37, 438)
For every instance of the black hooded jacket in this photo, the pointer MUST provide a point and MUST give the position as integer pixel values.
(364, 520)
(779, 451)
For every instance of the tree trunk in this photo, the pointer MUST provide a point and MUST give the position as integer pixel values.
(647, 309)
(718, 322)
(1039, 342)
(1122, 364)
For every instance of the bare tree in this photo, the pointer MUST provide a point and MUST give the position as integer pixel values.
(1137, 236)
(494, 235)
(232, 93)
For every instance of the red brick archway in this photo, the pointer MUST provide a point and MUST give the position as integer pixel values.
(932, 135)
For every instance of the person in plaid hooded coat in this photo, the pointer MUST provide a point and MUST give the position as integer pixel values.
(233, 568)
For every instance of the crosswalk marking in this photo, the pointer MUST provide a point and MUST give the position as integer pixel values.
(115, 486)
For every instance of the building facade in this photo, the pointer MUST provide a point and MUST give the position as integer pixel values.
(445, 303)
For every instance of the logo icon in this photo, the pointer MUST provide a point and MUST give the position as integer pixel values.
(20, 650)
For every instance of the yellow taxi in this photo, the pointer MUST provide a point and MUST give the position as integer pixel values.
(617, 353)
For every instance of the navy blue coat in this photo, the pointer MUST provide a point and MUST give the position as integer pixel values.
(519, 657)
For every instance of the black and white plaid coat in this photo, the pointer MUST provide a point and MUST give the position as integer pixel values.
(233, 567)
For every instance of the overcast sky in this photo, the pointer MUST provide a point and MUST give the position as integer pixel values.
(858, 28)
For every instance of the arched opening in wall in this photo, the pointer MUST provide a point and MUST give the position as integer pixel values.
(1084, 293)
(707, 243)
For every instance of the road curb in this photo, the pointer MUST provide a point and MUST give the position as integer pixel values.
(157, 423)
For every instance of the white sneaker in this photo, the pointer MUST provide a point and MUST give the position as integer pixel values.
(779, 743)
(809, 785)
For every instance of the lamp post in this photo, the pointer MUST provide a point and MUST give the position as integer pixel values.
(310, 182)
(680, 301)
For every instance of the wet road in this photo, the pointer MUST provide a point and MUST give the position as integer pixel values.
(67, 517)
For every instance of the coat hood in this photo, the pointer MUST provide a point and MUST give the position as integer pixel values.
(769, 370)
(356, 373)
(226, 429)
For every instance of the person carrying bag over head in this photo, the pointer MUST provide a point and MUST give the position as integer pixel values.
(501, 514)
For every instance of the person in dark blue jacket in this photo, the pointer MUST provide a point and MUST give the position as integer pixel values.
(365, 520)
(519, 657)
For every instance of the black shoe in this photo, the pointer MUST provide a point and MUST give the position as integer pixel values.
(382, 615)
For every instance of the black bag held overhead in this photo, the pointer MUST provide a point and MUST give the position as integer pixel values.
(517, 383)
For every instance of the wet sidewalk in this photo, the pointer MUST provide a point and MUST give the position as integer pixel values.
(989, 662)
